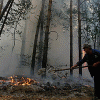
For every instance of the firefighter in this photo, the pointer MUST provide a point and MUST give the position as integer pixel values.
(92, 57)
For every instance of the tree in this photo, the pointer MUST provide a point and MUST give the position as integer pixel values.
(5, 9)
(10, 5)
(40, 22)
(91, 30)
(17, 13)
(63, 16)
(71, 38)
(1, 5)
(45, 50)
(41, 37)
(79, 35)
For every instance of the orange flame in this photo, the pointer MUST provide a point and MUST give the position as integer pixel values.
(23, 81)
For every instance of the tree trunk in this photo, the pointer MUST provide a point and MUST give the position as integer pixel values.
(41, 37)
(35, 44)
(79, 36)
(1, 5)
(35, 41)
(10, 5)
(71, 38)
(5, 9)
(99, 25)
(45, 51)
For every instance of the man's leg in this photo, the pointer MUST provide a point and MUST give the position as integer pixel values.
(97, 86)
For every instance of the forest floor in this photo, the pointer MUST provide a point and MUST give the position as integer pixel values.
(83, 93)
(28, 89)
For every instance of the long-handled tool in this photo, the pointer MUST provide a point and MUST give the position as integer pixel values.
(49, 69)
(42, 70)
(70, 68)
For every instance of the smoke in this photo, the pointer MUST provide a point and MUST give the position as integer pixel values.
(62, 78)
(71, 80)
(60, 82)
(58, 51)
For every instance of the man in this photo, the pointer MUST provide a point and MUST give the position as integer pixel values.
(92, 57)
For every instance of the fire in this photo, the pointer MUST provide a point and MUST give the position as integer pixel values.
(14, 80)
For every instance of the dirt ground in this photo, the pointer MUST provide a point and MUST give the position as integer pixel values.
(23, 88)
(28, 93)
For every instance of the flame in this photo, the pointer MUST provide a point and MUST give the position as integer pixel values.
(12, 80)
(15, 81)
(22, 81)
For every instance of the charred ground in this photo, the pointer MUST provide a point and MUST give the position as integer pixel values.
(23, 88)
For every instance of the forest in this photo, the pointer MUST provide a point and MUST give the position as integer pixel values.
(40, 36)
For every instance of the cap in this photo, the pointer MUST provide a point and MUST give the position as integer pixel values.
(86, 46)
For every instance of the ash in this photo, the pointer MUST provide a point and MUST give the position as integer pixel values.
(24, 88)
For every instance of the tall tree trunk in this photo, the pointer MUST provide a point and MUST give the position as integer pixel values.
(98, 25)
(35, 44)
(35, 41)
(41, 37)
(10, 5)
(1, 5)
(45, 51)
(79, 36)
(71, 38)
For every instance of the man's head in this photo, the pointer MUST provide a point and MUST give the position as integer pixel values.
(87, 48)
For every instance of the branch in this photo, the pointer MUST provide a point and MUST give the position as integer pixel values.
(55, 32)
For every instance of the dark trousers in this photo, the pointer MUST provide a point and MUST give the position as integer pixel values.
(97, 82)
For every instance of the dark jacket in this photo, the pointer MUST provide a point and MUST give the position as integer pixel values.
(91, 59)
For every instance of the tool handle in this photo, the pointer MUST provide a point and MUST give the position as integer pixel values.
(70, 68)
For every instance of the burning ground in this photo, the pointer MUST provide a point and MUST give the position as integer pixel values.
(23, 88)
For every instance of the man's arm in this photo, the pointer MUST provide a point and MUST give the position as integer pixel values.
(80, 62)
